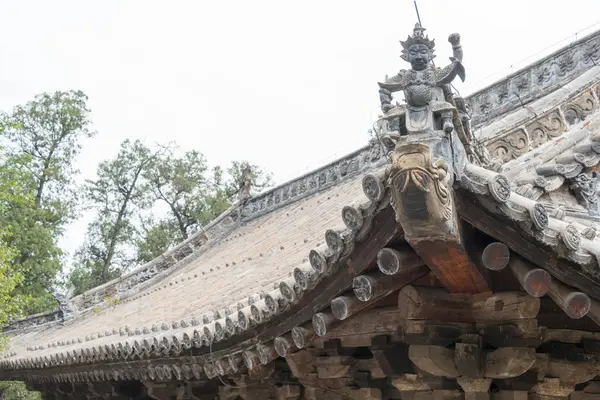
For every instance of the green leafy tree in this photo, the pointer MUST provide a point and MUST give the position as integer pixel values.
(185, 186)
(50, 130)
(259, 178)
(194, 196)
(119, 192)
(42, 139)
(10, 390)
(38, 258)
(155, 239)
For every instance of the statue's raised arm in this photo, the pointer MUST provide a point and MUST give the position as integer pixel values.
(447, 74)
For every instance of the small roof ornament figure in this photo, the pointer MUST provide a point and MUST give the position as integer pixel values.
(429, 105)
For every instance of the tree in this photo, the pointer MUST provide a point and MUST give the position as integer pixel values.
(119, 191)
(156, 238)
(50, 129)
(184, 185)
(38, 258)
(11, 390)
(194, 196)
(259, 178)
(42, 139)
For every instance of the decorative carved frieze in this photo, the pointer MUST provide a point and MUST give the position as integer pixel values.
(512, 145)
(535, 80)
(580, 107)
(365, 159)
(546, 128)
(33, 321)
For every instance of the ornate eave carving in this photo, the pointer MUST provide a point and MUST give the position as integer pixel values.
(535, 81)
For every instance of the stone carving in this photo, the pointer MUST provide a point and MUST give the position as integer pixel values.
(580, 107)
(539, 216)
(546, 128)
(537, 80)
(65, 305)
(571, 238)
(499, 188)
(33, 321)
(586, 192)
(365, 159)
(512, 145)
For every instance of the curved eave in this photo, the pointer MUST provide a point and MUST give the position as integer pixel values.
(247, 333)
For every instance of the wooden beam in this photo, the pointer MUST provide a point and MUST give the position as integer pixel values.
(532, 250)
(423, 199)
(437, 304)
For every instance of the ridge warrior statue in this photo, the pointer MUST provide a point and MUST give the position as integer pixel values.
(430, 104)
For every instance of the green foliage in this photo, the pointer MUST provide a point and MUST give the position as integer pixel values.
(259, 179)
(31, 235)
(185, 186)
(10, 304)
(10, 390)
(49, 130)
(155, 239)
(119, 192)
(42, 139)
(194, 196)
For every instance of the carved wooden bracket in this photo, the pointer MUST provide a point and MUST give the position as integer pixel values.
(421, 178)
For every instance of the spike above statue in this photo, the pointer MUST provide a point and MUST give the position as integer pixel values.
(430, 104)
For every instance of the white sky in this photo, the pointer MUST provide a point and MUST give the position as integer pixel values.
(286, 85)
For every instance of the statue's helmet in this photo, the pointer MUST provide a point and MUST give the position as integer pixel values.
(417, 37)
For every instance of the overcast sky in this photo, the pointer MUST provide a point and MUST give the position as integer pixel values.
(288, 85)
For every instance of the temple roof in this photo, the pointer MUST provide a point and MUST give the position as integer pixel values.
(228, 274)
(285, 269)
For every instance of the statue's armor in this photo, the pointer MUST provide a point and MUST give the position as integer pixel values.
(418, 91)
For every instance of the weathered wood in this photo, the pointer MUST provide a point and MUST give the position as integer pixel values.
(437, 304)
(452, 265)
(423, 199)
(435, 360)
(567, 371)
(468, 356)
(434, 304)
(284, 344)
(530, 249)
(378, 321)
(346, 393)
(475, 388)
(302, 363)
(495, 256)
(594, 312)
(575, 304)
(510, 395)
(509, 362)
(250, 358)
(535, 281)
(287, 392)
(302, 335)
(376, 285)
(391, 261)
(553, 387)
(433, 333)
(391, 358)
(416, 383)
(323, 322)
(334, 367)
(505, 306)
(344, 306)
